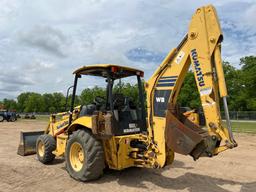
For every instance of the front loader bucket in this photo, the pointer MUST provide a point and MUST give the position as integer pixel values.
(27, 144)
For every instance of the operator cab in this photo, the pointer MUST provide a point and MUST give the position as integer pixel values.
(128, 114)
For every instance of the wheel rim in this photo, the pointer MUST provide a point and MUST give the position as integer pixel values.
(41, 149)
(76, 156)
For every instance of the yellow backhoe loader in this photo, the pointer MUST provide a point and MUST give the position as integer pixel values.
(117, 133)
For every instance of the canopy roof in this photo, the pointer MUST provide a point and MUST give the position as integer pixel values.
(115, 71)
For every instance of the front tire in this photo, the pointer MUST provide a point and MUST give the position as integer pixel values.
(45, 145)
(84, 156)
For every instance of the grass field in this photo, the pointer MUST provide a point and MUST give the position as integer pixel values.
(38, 118)
(43, 117)
(243, 126)
(237, 126)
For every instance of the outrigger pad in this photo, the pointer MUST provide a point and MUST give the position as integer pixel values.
(27, 144)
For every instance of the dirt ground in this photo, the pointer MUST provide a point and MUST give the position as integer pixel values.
(233, 170)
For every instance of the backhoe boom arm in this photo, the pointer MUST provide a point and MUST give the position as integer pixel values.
(201, 49)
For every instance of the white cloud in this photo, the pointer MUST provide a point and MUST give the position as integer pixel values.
(46, 38)
(250, 15)
(42, 42)
(38, 66)
(59, 80)
(8, 10)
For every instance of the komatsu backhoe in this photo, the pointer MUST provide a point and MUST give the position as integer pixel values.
(117, 133)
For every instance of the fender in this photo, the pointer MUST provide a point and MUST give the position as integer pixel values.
(85, 121)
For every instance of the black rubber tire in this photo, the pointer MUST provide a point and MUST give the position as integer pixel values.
(94, 162)
(49, 146)
(1, 118)
(12, 119)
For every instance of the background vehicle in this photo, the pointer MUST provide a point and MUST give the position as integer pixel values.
(118, 133)
(1, 116)
(8, 116)
(29, 116)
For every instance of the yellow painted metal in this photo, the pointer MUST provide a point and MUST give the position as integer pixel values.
(192, 116)
(125, 156)
(199, 47)
(86, 69)
(85, 121)
(118, 158)
(60, 121)
(159, 139)
(220, 72)
(157, 124)
(61, 141)
(41, 149)
(220, 149)
(76, 156)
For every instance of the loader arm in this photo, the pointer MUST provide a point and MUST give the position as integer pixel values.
(200, 49)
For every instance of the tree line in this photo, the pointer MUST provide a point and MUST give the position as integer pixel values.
(57, 102)
(241, 85)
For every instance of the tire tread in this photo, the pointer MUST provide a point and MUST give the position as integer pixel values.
(49, 146)
(95, 162)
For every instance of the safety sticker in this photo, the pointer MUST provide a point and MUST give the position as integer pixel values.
(179, 57)
(205, 91)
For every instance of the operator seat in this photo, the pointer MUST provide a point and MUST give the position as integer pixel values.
(87, 110)
(124, 108)
(118, 103)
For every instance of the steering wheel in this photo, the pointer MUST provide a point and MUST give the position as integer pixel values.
(98, 100)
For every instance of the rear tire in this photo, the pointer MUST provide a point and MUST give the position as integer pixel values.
(12, 119)
(84, 156)
(45, 145)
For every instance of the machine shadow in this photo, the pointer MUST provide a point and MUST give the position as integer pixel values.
(139, 177)
(57, 161)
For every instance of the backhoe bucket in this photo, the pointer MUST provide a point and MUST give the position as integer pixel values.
(184, 137)
(27, 144)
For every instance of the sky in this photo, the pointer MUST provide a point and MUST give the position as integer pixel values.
(43, 41)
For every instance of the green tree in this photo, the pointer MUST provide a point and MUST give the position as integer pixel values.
(59, 102)
(1, 105)
(234, 87)
(49, 105)
(87, 96)
(76, 103)
(35, 103)
(128, 90)
(189, 96)
(51, 109)
(10, 104)
(241, 85)
(248, 76)
(22, 101)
